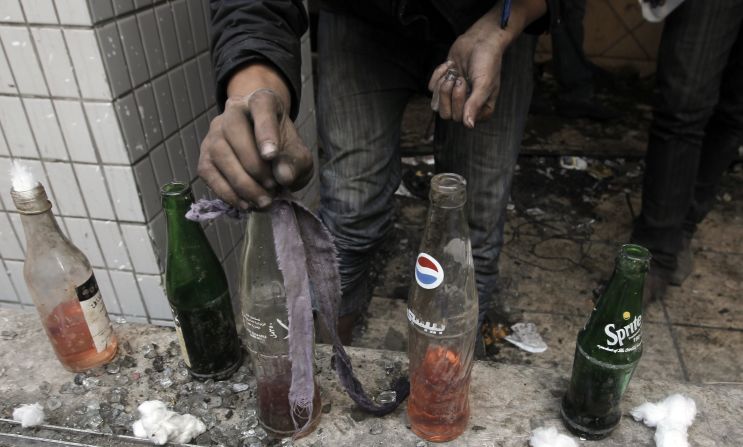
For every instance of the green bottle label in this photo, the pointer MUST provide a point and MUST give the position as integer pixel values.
(623, 338)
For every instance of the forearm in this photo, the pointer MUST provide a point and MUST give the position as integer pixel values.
(257, 76)
(523, 13)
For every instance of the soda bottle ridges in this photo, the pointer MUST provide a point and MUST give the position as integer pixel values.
(608, 350)
(442, 315)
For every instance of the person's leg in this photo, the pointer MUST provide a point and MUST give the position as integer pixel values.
(695, 48)
(364, 85)
(722, 138)
(572, 70)
(486, 157)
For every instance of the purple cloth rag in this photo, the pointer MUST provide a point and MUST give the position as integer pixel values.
(308, 261)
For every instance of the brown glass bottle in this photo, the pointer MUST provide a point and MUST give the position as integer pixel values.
(63, 287)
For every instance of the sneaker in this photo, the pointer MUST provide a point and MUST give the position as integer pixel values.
(685, 259)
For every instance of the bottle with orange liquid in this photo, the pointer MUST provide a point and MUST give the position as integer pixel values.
(62, 284)
(442, 315)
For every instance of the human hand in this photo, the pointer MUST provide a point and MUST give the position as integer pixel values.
(253, 148)
(466, 86)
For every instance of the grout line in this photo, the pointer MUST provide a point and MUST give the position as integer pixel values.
(674, 339)
(12, 284)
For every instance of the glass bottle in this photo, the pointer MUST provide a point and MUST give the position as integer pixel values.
(198, 293)
(608, 350)
(63, 287)
(442, 315)
(265, 319)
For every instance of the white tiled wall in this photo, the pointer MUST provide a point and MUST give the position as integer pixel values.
(105, 101)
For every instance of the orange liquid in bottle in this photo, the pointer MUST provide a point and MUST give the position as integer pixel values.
(70, 336)
(438, 406)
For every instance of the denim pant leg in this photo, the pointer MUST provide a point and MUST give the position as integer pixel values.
(572, 69)
(363, 88)
(723, 136)
(486, 156)
(695, 47)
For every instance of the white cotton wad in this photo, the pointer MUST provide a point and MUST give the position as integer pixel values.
(160, 425)
(21, 177)
(671, 418)
(549, 437)
(29, 415)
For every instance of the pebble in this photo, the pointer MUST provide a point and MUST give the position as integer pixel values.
(240, 387)
(8, 335)
(376, 428)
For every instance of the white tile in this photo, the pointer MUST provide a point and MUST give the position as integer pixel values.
(86, 58)
(10, 246)
(7, 292)
(153, 292)
(112, 244)
(93, 187)
(106, 132)
(12, 12)
(15, 220)
(7, 84)
(107, 291)
(64, 184)
(74, 12)
(16, 128)
(4, 151)
(55, 61)
(15, 271)
(128, 293)
(22, 58)
(124, 193)
(75, 130)
(40, 11)
(43, 119)
(83, 236)
(140, 248)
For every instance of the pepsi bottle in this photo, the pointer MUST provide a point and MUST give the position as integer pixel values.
(442, 316)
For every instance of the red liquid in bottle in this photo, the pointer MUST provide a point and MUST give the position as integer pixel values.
(438, 406)
(274, 410)
(70, 336)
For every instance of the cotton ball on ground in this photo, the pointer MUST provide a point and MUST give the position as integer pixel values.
(29, 415)
(671, 417)
(549, 437)
(160, 425)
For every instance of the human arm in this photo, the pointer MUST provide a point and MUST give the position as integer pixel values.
(467, 84)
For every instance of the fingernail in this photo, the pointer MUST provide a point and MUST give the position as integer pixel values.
(264, 201)
(268, 149)
(244, 205)
(470, 122)
(285, 173)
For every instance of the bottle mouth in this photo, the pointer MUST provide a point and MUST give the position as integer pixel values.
(633, 257)
(31, 201)
(448, 190)
(175, 189)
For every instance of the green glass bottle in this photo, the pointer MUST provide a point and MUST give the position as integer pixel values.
(608, 350)
(198, 293)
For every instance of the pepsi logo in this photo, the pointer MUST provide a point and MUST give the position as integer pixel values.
(428, 271)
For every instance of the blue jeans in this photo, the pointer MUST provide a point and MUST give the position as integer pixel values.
(697, 123)
(366, 77)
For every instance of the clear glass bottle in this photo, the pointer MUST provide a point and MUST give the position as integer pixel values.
(265, 319)
(608, 350)
(442, 315)
(63, 287)
(198, 293)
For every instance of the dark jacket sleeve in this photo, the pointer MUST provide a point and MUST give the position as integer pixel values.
(268, 31)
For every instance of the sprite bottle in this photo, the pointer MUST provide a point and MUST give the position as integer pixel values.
(608, 350)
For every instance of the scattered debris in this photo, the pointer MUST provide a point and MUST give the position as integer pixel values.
(549, 437)
(160, 425)
(671, 418)
(573, 163)
(29, 415)
(526, 336)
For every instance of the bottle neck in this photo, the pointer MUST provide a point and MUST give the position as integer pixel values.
(182, 233)
(39, 223)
